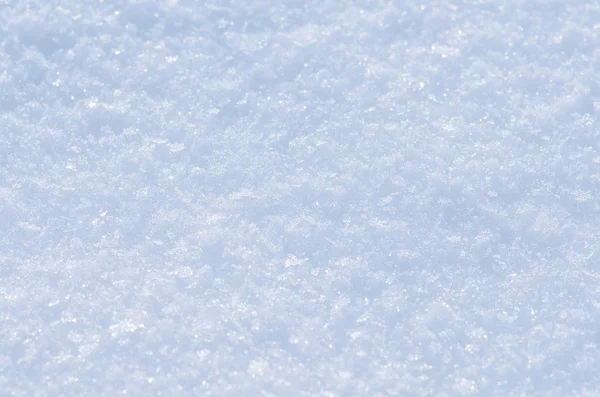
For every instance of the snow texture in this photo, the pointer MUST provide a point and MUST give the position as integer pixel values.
(299, 198)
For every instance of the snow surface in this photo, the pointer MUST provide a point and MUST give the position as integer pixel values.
(299, 198)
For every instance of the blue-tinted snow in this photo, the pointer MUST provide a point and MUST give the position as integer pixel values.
(300, 198)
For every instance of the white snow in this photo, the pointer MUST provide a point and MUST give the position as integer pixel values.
(299, 198)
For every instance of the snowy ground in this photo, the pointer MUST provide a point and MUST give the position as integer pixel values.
(299, 198)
